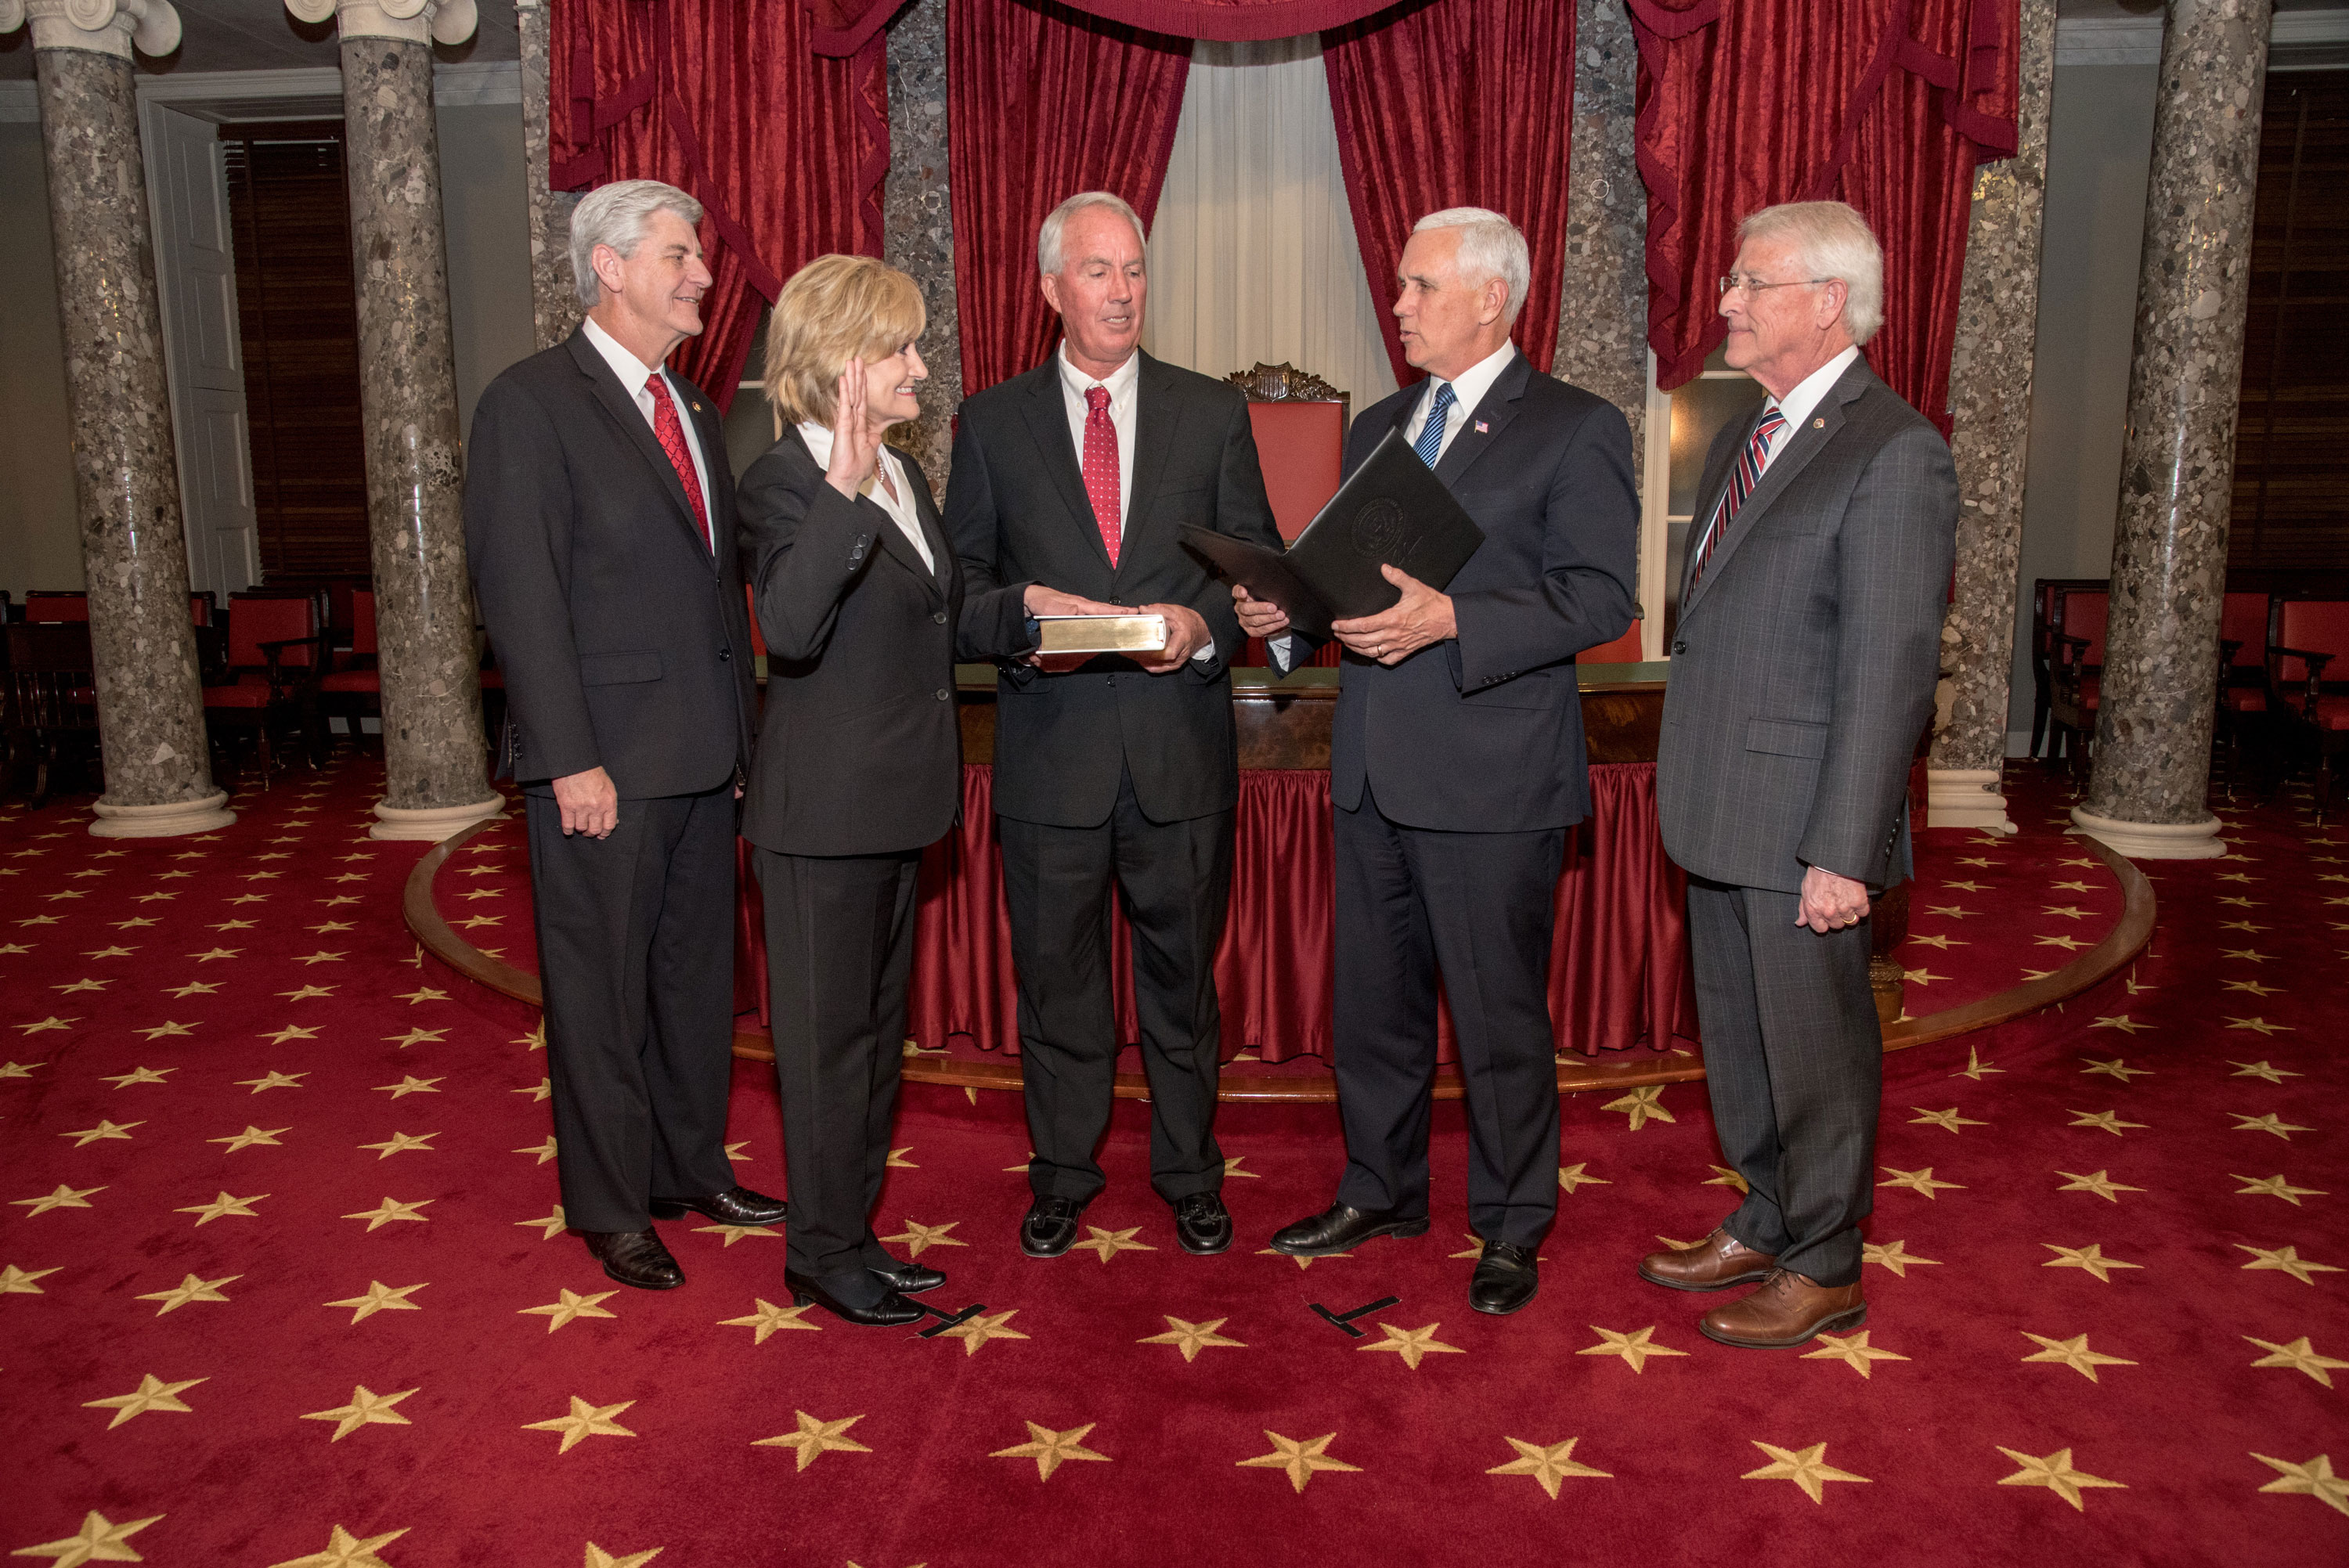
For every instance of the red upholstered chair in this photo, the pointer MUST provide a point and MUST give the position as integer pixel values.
(1623, 650)
(1299, 423)
(2076, 655)
(2045, 592)
(56, 605)
(48, 702)
(275, 649)
(2307, 635)
(352, 684)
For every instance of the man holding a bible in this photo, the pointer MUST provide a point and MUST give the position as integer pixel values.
(1457, 762)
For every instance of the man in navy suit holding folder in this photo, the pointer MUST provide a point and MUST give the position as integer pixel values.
(1458, 761)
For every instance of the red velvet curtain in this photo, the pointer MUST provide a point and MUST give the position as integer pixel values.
(1884, 104)
(729, 100)
(1457, 103)
(1043, 101)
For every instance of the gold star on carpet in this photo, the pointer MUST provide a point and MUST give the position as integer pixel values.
(2268, 1123)
(84, 985)
(1919, 1180)
(138, 1076)
(1964, 886)
(597, 1557)
(2245, 926)
(730, 1235)
(2300, 1356)
(152, 1394)
(1191, 1338)
(2095, 1182)
(816, 1437)
(1109, 1244)
(2055, 1473)
(329, 927)
(536, 1039)
(1976, 1068)
(1853, 1349)
(918, 1236)
(426, 994)
(381, 1297)
(1634, 1348)
(1049, 1449)
(2103, 1121)
(406, 1086)
(2254, 987)
(2259, 1070)
(475, 894)
(194, 988)
(1806, 1468)
(769, 1319)
(367, 1408)
(345, 1550)
(1303, 1263)
(1723, 1176)
(477, 920)
(250, 1137)
(1921, 977)
(417, 1037)
(572, 1305)
(187, 1290)
(392, 1209)
(1302, 1461)
(2312, 1478)
(2118, 1066)
(1547, 1464)
(2068, 944)
(402, 1142)
(273, 1080)
(2259, 1025)
(23, 1070)
(320, 958)
(976, 1331)
(1949, 1120)
(329, 903)
(1893, 1256)
(2090, 1257)
(65, 1197)
(15, 1281)
(1641, 1106)
(2250, 955)
(104, 1128)
(100, 1541)
(1573, 1176)
(46, 1024)
(2037, 974)
(2277, 1187)
(545, 1087)
(224, 1207)
(2073, 1353)
(216, 953)
(1943, 942)
(584, 1421)
(898, 1160)
(550, 1227)
(2285, 1260)
(1232, 1168)
(545, 1151)
(305, 993)
(1413, 1345)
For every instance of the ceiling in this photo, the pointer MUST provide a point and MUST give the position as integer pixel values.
(263, 36)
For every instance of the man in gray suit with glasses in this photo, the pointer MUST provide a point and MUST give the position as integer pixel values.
(1803, 669)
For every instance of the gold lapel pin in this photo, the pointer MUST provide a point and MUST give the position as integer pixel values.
(1816, 424)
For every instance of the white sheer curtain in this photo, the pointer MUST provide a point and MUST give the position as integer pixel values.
(1252, 256)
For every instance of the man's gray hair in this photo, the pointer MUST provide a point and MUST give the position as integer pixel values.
(1490, 247)
(1831, 240)
(615, 215)
(1047, 238)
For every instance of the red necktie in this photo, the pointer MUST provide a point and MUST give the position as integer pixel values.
(671, 432)
(1742, 481)
(1101, 467)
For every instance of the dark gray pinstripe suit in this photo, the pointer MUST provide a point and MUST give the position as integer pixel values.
(1803, 672)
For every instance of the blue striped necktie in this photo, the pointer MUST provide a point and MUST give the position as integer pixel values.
(1742, 481)
(1429, 445)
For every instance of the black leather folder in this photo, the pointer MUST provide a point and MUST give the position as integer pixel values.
(1393, 510)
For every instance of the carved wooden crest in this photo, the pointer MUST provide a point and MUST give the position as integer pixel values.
(1284, 383)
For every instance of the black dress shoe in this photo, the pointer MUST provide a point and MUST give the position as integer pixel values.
(1505, 1279)
(635, 1257)
(1338, 1228)
(734, 1206)
(908, 1279)
(892, 1310)
(1202, 1223)
(1050, 1227)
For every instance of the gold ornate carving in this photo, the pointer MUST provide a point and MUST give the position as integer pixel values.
(1284, 383)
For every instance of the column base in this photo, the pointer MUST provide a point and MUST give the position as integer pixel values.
(431, 824)
(167, 820)
(2153, 841)
(1966, 798)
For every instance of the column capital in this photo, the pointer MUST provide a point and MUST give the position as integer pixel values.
(411, 21)
(102, 27)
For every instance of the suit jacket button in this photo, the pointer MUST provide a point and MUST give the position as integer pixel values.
(725, 654)
(939, 616)
(1680, 647)
(944, 695)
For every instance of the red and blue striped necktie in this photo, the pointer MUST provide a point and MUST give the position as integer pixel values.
(1742, 481)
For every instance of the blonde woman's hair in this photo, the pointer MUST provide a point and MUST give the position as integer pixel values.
(834, 309)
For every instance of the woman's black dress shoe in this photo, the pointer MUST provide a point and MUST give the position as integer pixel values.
(892, 1310)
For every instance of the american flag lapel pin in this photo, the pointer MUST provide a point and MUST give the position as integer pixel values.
(1483, 428)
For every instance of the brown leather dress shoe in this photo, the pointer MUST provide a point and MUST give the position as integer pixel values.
(1716, 1262)
(1787, 1310)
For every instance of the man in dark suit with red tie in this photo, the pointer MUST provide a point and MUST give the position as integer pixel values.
(599, 519)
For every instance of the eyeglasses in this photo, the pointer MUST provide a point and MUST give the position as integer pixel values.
(1740, 282)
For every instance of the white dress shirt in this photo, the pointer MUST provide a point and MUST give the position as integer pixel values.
(1122, 382)
(1468, 389)
(633, 374)
(900, 506)
(1797, 404)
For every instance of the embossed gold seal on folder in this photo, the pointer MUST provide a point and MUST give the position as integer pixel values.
(1102, 634)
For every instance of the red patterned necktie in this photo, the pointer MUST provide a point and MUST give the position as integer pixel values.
(671, 433)
(1101, 467)
(1742, 481)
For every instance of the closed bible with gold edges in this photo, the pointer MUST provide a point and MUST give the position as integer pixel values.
(1101, 634)
(1393, 510)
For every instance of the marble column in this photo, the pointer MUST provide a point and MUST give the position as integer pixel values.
(150, 706)
(435, 762)
(918, 220)
(556, 309)
(2148, 794)
(1602, 322)
(1990, 406)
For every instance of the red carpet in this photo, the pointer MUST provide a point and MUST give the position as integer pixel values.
(274, 1285)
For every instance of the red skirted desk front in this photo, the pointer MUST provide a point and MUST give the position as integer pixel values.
(1619, 975)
